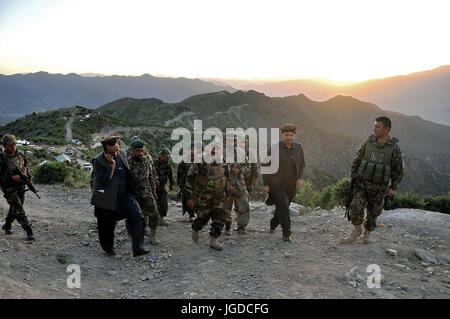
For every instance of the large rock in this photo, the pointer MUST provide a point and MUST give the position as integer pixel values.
(425, 256)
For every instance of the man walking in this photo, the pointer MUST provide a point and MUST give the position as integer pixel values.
(141, 168)
(282, 185)
(13, 188)
(164, 171)
(377, 162)
(182, 171)
(113, 195)
(207, 189)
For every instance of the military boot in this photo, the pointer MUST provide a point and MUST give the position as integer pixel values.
(162, 222)
(30, 236)
(357, 231)
(242, 232)
(366, 239)
(228, 231)
(195, 236)
(214, 244)
(7, 228)
(153, 239)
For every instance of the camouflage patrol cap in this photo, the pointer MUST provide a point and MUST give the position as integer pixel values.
(9, 139)
(165, 152)
(110, 140)
(289, 128)
(137, 144)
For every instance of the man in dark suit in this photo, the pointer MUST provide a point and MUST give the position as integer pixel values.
(113, 195)
(286, 181)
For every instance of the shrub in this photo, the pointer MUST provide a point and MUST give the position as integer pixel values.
(52, 173)
(340, 191)
(305, 196)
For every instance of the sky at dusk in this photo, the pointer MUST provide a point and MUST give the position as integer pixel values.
(336, 40)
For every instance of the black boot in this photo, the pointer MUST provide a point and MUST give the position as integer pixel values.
(7, 228)
(30, 236)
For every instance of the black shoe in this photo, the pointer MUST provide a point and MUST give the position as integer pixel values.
(287, 238)
(140, 253)
(110, 253)
(7, 229)
(269, 201)
(30, 236)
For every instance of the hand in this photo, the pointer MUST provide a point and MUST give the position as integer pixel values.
(235, 171)
(16, 178)
(155, 196)
(299, 184)
(110, 159)
(157, 183)
(390, 192)
(190, 203)
(265, 190)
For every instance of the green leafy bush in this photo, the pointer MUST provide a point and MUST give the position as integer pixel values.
(52, 173)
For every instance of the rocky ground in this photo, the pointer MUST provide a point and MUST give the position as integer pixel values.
(411, 247)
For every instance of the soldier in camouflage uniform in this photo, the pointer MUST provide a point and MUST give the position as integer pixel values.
(378, 162)
(12, 185)
(164, 172)
(239, 195)
(207, 190)
(147, 153)
(141, 168)
(182, 171)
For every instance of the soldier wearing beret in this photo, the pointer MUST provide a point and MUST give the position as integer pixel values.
(113, 195)
(12, 185)
(164, 171)
(283, 184)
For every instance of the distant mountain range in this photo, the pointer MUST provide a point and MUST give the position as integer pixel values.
(329, 131)
(21, 94)
(426, 94)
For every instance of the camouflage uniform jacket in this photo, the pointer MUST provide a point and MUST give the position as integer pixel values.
(8, 165)
(164, 174)
(142, 172)
(207, 180)
(238, 181)
(396, 161)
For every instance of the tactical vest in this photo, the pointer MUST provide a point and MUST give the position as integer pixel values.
(375, 166)
(211, 179)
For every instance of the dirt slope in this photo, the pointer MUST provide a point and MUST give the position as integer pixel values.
(314, 265)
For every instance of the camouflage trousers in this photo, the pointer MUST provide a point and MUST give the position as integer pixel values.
(163, 201)
(206, 209)
(15, 200)
(243, 210)
(149, 210)
(372, 196)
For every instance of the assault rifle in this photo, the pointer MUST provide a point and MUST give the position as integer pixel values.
(27, 182)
